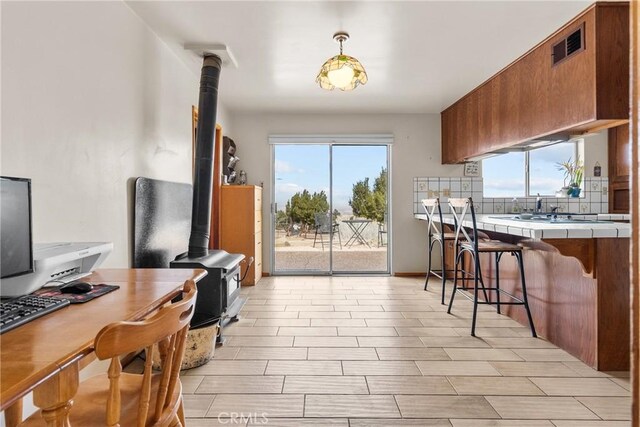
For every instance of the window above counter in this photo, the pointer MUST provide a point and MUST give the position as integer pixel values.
(527, 174)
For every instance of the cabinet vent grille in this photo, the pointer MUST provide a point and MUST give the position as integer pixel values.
(574, 42)
(568, 46)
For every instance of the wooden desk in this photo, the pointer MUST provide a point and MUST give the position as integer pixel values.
(43, 356)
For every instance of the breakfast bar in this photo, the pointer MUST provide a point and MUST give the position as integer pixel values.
(577, 281)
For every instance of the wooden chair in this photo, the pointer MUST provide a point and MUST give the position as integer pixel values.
(150, 399)
(472, 244)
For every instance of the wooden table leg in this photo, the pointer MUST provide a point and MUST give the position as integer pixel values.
(54, 396)
(13, 414)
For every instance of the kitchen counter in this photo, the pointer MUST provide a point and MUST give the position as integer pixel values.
(577, 277)
(547, 230)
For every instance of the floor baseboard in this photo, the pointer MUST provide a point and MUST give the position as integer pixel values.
(410, 274)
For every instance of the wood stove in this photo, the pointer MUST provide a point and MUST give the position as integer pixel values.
(218, 293)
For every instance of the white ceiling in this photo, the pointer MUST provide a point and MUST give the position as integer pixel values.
(420, 56)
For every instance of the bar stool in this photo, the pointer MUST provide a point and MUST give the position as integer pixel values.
(460, 208)
(436, 235)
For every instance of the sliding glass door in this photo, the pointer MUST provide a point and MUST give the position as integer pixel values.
(302, 191)
(359, 196)
(330, 208)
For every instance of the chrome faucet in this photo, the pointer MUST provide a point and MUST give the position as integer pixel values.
(554, 212)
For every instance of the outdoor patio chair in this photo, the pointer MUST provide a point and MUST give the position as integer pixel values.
(325, 225)
(382, 230)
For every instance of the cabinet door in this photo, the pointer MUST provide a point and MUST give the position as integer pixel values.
(619, 169)
(619, 154)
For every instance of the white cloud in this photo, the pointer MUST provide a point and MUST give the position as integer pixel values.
(285, 167)
(287, 189)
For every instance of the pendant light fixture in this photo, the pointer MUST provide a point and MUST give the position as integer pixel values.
(341, 71)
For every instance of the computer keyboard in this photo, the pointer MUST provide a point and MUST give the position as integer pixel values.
(21, 310)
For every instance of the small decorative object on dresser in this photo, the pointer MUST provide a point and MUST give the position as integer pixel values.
(229, 160)
(241, 226)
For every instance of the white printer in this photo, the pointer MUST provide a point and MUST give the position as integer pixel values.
(55, 264)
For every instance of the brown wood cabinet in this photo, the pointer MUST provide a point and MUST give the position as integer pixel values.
(534, 97)
(619, 169)
(241, 225)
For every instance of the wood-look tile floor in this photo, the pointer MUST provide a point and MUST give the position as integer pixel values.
(381, 352)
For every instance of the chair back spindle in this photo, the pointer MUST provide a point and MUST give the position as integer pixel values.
(113, 404)
(145, 393)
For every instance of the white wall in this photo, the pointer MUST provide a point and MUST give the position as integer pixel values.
(415, 152)
(596, 151)
(90, 98)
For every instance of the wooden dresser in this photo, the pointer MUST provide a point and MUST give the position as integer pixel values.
(241, 225)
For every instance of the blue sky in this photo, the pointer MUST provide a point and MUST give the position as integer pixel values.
(307, 166)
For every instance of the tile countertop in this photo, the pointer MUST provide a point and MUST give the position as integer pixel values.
(538, 230)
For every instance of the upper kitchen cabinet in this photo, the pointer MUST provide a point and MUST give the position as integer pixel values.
(575, 81)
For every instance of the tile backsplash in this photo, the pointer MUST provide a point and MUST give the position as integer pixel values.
(593, 199)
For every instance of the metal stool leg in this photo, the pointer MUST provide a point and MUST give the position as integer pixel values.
(476, 260)
(426, 282)
(476, 280)
(463, 274)
(524, 293)
(443, 269)
(455, 282)
(498, 256)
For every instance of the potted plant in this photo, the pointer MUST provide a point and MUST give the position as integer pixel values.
(573, 172)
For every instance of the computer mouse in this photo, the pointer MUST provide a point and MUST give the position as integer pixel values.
(77, 288)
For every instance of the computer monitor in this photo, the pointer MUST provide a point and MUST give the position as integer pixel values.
(15, 227)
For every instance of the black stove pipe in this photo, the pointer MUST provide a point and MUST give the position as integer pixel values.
(203, 175)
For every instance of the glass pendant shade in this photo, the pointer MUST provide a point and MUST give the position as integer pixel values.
(341, 71)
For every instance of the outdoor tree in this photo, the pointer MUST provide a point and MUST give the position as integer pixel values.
(282, 219)
(368, 203)
(361, 195)
(303, 206)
